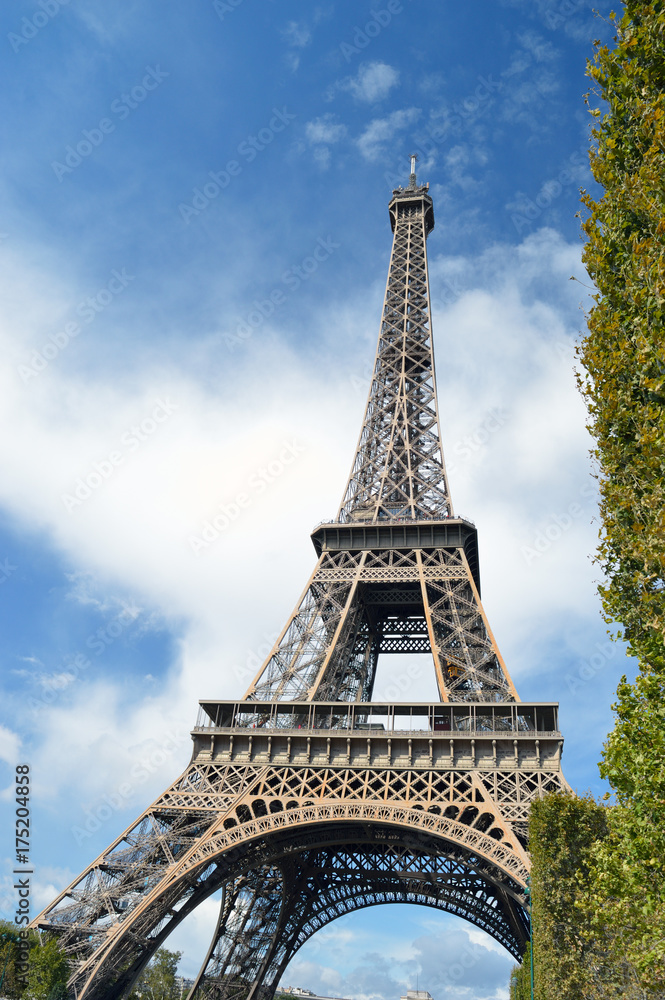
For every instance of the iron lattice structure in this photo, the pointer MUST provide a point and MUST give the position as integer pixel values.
(306, 800)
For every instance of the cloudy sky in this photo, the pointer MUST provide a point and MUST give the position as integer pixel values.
(167, 343)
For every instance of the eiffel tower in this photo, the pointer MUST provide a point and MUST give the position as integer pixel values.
(307, 800)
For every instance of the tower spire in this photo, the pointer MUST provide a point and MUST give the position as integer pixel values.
(399, 470)
(412, 178)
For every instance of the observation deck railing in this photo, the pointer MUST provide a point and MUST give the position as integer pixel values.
(376, 718)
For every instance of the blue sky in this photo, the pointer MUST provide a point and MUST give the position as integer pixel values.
(170, 170)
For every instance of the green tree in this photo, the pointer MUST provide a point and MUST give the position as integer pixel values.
(520, 978)
(624, 384)
(574, 958)
(624, 351)
(599, 874)
(158, 982)
(12, 985)
(49, 972)
(563, 829)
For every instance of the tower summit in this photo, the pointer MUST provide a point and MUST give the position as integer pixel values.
(397, 572)
(306, 799)
(398, 471)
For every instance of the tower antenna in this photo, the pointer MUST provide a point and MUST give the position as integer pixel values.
(412, 178)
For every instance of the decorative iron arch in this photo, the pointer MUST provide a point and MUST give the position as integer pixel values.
(470, 874)
(322, 883)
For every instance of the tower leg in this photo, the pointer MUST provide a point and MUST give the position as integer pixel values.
(244, 938)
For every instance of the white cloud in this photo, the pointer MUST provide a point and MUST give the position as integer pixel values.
(381, 130)
(453, 960)
(10, 744)
(528, 83)
(538, 47)
(325, 130)
(322, 133)
(373, 82)
(297, 34)
(460, 161)
(56, 682)
(322, 156)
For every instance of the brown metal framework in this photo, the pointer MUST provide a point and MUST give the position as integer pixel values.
(306, 800)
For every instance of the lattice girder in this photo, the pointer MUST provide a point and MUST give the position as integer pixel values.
(332, 654)
(103, 975)
(245, 937)
(399, 470)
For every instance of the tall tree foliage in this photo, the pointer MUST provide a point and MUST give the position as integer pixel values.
(13, 982)
(624, 384)
(624, 351)
(49, 971)
(562, 830)
(158, 982)
(574, 958)
(520, 978)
